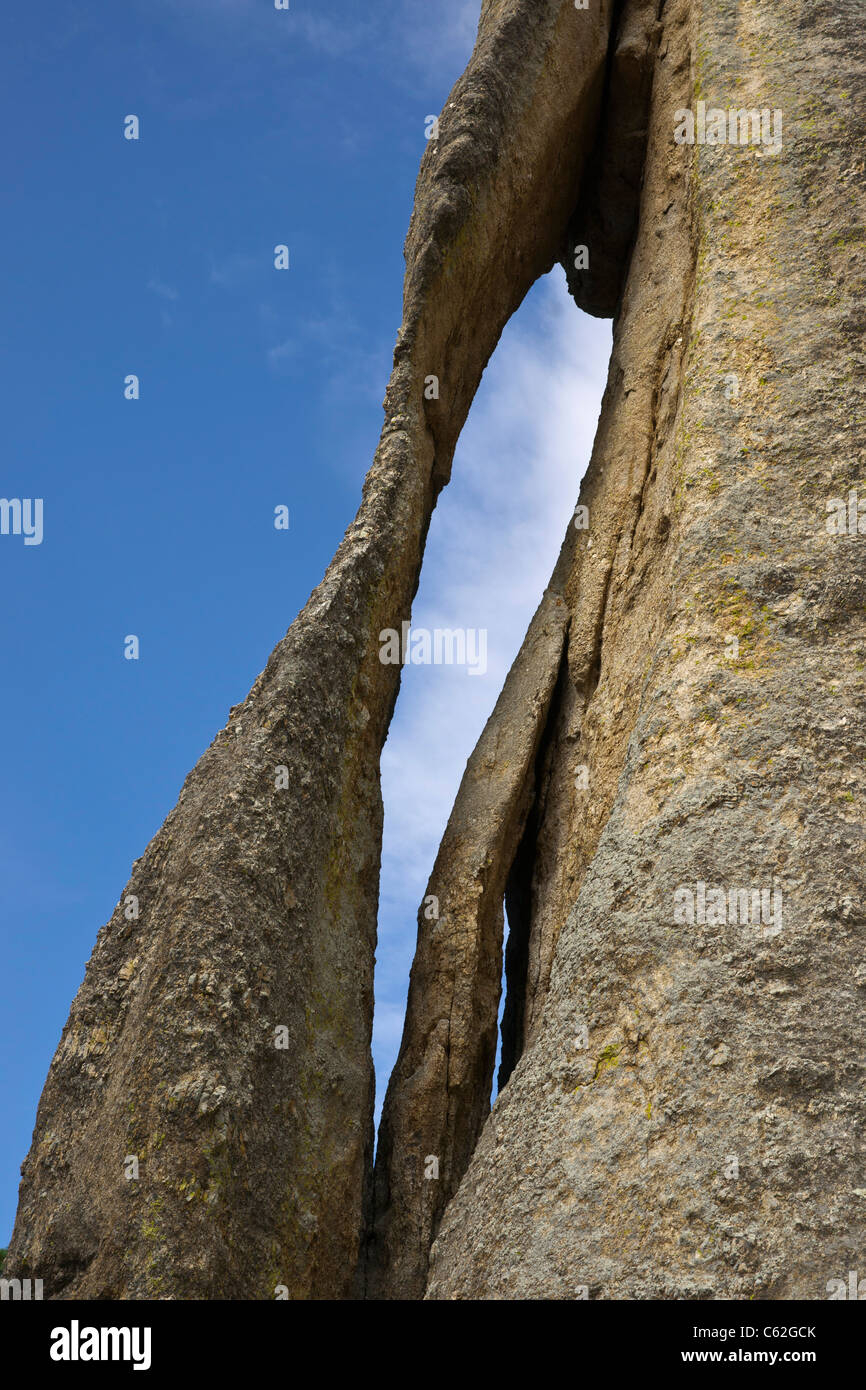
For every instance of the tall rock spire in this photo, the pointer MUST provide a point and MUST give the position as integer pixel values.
(669, 795)
(219, 1047)
(686, 1118)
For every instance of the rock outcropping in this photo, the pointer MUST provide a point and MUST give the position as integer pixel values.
(669, 795)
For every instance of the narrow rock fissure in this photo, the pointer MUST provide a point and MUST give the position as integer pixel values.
(518, 897)
(577, 281)
(607, 211)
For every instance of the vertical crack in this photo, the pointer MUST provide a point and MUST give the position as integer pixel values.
(518, 896)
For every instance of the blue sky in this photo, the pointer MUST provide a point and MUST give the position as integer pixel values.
(258, 388)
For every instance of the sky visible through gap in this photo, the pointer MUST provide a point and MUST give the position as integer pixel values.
(258, 388)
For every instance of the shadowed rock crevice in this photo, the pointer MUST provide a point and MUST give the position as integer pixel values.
(605, 219)
(518, 911)
(518, 903)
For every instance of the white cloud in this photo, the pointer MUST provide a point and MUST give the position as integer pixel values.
(328, 36)
(235, 270)
(437, 39)
(433, 39)
(157, 286)
(348, 366)
(492, 546)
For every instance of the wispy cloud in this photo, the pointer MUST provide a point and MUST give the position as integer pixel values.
(333, 38)
(435, 40)
(338, 347)
(235, 270)
(348, 366)
(157, 286)
(492, 546)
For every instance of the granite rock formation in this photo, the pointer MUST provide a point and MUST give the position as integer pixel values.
(681, 1107)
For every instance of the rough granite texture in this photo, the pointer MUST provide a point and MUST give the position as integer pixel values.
(681, 1112)
(704, 1137)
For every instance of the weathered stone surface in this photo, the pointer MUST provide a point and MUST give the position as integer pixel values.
(439, 1093)
(257, 902)
(704, 1138)
(682, 1110)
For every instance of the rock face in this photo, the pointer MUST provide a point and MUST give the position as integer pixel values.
(669, 795)
(687, 1116)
